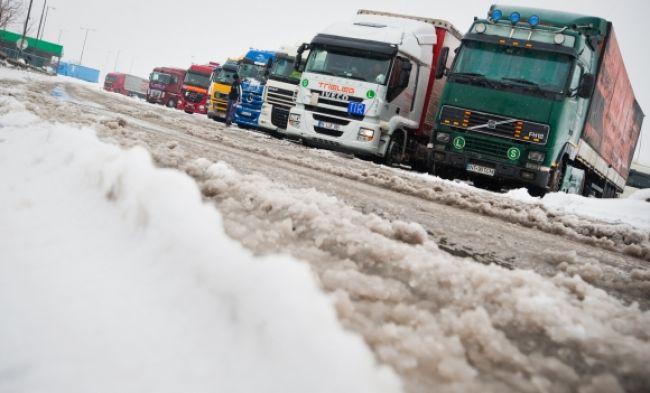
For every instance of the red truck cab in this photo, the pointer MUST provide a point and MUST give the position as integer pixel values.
(165, 85)
(194, 93)
(128, 85)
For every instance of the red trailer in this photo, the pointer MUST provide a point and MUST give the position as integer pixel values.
(194, 93)
(165, 84)
(128, 85)
(615, 117)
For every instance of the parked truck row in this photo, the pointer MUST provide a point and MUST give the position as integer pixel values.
(526, 98)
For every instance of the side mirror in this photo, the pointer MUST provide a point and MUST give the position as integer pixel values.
(299, 65)
(441, 66)
(587, 86)
(151, 76)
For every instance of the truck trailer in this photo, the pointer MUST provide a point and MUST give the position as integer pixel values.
(194, 93)
(165, 84)
(281, 91)
(539, 99)
(128, 85)
(371, 86)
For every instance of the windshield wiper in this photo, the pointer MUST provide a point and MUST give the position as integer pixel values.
(473, 77)
(323, 72)
(529, 85)
(521, 81)
(351, 76)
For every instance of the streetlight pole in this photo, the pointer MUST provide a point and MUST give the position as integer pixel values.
(84, 45)
(117, 57)
(47, 12)
(22, 41)
(40, 23)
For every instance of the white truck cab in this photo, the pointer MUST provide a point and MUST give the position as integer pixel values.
(371, 86)
(281, 91)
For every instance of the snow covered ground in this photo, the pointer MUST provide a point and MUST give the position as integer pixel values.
(115, 276)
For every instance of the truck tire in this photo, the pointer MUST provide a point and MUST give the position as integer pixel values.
(171, 103)
(393, 153)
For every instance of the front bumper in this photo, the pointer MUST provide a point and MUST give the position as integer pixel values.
(345, 139)
(217, 109)
(503, 173)
(247, 117)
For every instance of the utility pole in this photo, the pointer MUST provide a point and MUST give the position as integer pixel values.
(84, 45)
(47, 12)
(23, 41)
(117, 57)
(40, 23)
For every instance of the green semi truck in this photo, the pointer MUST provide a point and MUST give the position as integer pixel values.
(538, 99)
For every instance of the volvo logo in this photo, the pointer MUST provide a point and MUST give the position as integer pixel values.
(492, 124)
(250, 98)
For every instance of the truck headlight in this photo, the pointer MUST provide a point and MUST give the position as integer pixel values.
(366, 134)
(536, 156)
(443, 137)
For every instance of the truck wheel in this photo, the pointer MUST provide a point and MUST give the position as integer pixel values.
(171, 103)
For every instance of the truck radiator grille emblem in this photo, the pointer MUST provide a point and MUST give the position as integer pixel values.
(487, 123)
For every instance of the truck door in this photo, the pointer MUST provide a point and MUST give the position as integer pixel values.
(398, 97)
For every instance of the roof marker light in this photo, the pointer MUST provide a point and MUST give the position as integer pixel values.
(533, 20)
(496, 15)
(515, 17)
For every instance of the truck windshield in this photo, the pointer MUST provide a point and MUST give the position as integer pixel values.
(158, 77)
(283, 70)
(223, 76)
(252, 71)
(505, 65)
(346, 63)
(196, 79)
(111, 78)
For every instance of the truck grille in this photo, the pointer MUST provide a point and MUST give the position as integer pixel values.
(334, 112)
(485, 123)
(326, 131)
(486, 147)
(277, 96)
(191, 96)
(280, 117)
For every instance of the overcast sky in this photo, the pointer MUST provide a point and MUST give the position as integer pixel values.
(139, 35)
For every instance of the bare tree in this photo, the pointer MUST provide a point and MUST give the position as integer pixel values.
(10, 12)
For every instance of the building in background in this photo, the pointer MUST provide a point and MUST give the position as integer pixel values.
(36, 53)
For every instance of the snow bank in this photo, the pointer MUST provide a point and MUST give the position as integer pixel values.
(634, 211)
(114, 276)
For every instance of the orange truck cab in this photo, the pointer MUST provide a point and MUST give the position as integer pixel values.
(194, 93)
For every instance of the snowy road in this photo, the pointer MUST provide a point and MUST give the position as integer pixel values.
(456, 288)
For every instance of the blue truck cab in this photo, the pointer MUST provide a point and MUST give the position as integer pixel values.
(253, 71)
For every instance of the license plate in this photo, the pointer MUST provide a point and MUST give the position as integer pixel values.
(483, 170)
(328, 126)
